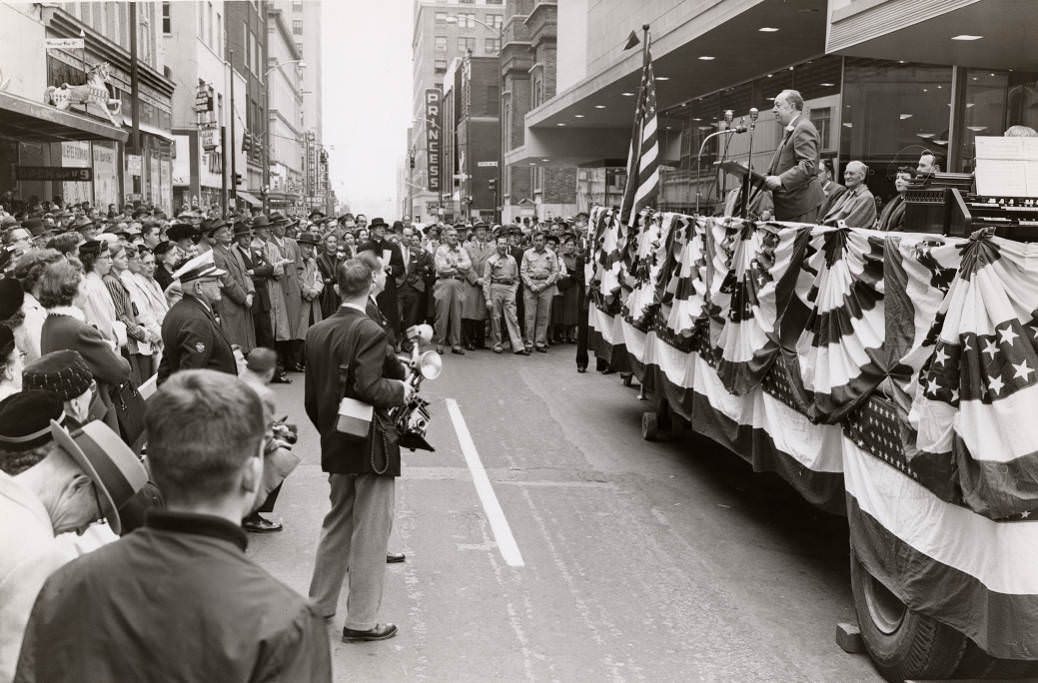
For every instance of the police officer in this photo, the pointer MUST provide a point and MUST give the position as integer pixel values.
(191, 333)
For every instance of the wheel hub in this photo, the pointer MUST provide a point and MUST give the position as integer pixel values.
(885, 609)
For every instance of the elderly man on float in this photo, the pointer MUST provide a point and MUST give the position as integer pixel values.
(855, 208)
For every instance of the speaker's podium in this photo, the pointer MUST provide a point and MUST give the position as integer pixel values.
(752, 189)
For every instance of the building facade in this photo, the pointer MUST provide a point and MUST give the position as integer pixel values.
(193, 35)
(533, 187)
(285, 137)
(883, 81)
(246, 45)
(77, 43)
(442, 31)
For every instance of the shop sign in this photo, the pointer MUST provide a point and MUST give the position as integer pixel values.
(65, 43)
(208, 135)
(75, 175)
(486, 164)
(134, 165)
(203, 98)
(432, 138)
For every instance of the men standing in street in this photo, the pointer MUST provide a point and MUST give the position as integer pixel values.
(540, 270)
(191, 335)
(238, 291)
(290, 349)
(793, 174)
(179, 595)
(500, 282)
(394, 265)
(474, 307)
(411, 286)
(452, 265)
(346, 356)
(280, 329)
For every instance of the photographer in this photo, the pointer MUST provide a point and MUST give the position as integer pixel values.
(346, 357)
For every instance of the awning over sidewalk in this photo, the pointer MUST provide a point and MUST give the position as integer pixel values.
(249, 198)
(23, 120)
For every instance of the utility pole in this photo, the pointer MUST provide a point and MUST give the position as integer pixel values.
(234, 157)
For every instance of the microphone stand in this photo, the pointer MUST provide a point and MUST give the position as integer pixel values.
(724, 154)
(749, 166)
(699, 158)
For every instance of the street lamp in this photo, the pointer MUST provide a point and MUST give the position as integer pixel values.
(500, 106)
(266, 127)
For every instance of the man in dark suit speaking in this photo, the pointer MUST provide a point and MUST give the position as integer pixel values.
(346, 356)
(793, 174)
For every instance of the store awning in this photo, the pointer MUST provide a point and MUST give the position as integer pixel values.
(23, 120)
(249, 198)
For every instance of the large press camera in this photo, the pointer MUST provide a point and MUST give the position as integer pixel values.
(412, 418)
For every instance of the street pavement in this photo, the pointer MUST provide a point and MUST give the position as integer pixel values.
(640, 561)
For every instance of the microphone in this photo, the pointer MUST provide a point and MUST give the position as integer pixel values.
(736, 129)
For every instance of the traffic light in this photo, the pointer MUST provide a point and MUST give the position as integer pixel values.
(237, 179)
(492, 184)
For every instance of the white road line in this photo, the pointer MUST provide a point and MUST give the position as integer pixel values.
(498, 524)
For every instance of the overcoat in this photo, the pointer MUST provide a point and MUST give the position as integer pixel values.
(235, 317)
(473, 305)
(193, 340)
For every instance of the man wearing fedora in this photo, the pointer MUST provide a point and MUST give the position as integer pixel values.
(311, 283)
(178, 599)
(290, 349)
(238, 291)
(52, 482)
(394, 265)
(280, 328)
(191, 335)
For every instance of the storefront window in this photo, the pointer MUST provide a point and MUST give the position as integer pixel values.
(985, 112)
(892, 112)
(1023, 100)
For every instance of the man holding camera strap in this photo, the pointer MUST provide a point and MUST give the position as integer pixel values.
(362, 470)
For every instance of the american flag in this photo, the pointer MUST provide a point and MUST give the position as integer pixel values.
(643, 174)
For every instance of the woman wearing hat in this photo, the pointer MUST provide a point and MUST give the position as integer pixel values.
(95, 299)
(311, 283)
(327, 261)
(139, 339)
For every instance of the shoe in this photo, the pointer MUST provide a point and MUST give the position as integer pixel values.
(439, 349)
(581, 368)
(380, 632)
(523, 352)
(393, 558)
(458, 350)
(498, 348)
(258, 524)
(470, 346)
(541, 349)
(280, 379)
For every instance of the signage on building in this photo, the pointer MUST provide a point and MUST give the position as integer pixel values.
(63, 173)
(203, 98)
(209, 137)
(134, 165)
(486, 164)
(432, 138)
(65, 43)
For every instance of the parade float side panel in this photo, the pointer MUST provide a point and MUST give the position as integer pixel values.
(891, 376)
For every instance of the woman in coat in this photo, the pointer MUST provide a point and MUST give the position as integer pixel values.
(138, 338)
(95, 301)
(311, 284)
(66, 328)
(327, 262)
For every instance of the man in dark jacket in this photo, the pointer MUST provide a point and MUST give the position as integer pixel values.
(394, 265)
(191, 335)
(793, 173)
(178, 599)
(346, 355)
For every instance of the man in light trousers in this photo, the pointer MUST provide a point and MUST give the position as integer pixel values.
(500, 282)
(452, 264)
(539, 272)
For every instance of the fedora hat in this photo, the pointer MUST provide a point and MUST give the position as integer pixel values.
(308, 238)
(377, 222)
(260, 221)
(242, 228)
(108, 461)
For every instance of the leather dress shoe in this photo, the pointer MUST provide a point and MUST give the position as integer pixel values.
(393, 558)
(258, 524)
(439, 349)
(523, 352)
(458, 350)
(581, 368)
(281, 379)
(541, 349)
(380, 632)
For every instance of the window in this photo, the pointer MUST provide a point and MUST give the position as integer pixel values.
(441, 64)
(466, 20)
(246, 43)
(495, 20)
(468, 44)
(492, 45)
(211, 41)
(299, 47)
(493, 2)
(297, 5)
(441, 43)
(201, 22)
(441, 17)
(466, 2)
(167, 23)
(219, 34)
(297, 27)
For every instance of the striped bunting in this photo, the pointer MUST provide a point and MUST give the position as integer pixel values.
(978, 391)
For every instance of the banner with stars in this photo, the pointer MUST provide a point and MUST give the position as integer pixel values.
(979, 389)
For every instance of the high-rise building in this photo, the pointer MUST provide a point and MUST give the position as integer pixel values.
(286, 139)
(246, 47)
(471, 134)
(442, 31)
(541, 186)
(193, 36)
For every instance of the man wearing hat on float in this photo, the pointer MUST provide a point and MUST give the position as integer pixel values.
(238, 291)
(51, 483)
(191, 335)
